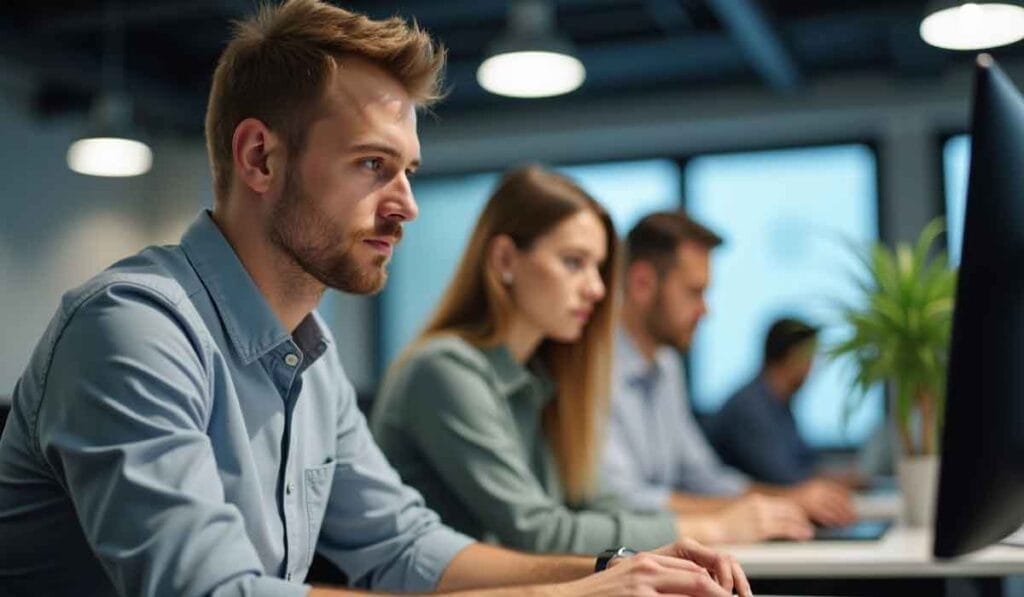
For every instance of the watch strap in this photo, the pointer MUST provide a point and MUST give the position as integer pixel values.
(605, 557)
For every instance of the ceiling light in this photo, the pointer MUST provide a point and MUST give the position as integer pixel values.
(972, 25)
(110, 147)
(531, 60)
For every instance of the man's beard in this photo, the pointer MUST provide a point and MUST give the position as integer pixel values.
(657, 327)
(322, 250)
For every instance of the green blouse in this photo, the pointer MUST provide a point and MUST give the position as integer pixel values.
(463, 426)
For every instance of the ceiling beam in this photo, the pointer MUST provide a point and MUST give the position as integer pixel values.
(670, 15)
(751, 28)
(462, 13)
(80, 72)
(147, 14)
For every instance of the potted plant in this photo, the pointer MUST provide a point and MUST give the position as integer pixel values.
(900, 336)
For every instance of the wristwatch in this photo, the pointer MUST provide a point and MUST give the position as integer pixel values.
(605, 557)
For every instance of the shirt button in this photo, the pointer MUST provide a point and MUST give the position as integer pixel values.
(291, 359)
(289, 488)
(288, 576)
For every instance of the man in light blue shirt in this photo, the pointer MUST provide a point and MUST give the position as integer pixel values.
(651, 411)
(656, 454)
(162, 417)
(184, 426)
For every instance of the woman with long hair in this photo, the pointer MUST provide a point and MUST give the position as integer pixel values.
(494, 412)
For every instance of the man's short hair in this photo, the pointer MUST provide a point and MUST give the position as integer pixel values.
(277, 64)
(783, 336)
(656, 237)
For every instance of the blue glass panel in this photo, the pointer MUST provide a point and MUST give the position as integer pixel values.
(785, 216)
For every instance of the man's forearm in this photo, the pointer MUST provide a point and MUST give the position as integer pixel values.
(770, 489)
(519, 591)
(488, 571)
(537, 591)
(482, 566)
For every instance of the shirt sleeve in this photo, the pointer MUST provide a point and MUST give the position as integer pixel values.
(700, 470)
(121, 424)
(376, 529)
(457, 421)
(698, 467)
(621, 473)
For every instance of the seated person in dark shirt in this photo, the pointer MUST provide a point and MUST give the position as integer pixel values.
(755, 431)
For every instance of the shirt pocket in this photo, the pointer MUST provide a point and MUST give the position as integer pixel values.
(318, 491)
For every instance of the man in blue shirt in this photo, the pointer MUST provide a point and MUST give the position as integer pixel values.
(656, 455)
(755, 430)
(184, 427)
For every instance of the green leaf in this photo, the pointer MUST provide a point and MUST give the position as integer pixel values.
(900, 331)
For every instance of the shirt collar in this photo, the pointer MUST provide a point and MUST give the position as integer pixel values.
(512, 376)
(633, 366)
(251, 325)
(762, 386)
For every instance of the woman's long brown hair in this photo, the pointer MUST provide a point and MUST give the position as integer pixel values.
(528, 203)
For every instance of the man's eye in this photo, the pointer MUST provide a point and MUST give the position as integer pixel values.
(373, 164)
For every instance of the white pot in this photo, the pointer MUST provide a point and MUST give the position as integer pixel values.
(918, 478)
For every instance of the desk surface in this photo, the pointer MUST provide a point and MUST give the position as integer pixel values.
(902, 552)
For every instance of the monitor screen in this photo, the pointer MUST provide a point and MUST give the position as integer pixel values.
(981, 479)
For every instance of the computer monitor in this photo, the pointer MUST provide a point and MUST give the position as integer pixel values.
(981, 479)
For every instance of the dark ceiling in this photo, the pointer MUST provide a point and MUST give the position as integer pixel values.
(628, 47)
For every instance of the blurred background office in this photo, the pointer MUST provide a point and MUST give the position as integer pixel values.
(788, 127)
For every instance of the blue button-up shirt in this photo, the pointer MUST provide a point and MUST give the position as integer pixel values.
(169, 437)
(654, 445)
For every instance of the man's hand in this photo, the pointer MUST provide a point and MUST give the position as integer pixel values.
(721, 566)
(825, 502)
(682, 568)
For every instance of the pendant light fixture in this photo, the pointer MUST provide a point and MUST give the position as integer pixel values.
(111, 147)
(955, 25)
(531, 60)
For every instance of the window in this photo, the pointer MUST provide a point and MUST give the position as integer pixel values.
(785, 216)
(955, 160)
(425, 259)
(449, 207)
(630, 190)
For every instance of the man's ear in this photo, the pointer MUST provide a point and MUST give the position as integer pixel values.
(641, 283)
(257, 155)
(502, 255)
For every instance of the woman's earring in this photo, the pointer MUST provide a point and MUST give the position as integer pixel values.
(506, 278)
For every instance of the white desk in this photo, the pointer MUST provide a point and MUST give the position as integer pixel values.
(902, 552)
